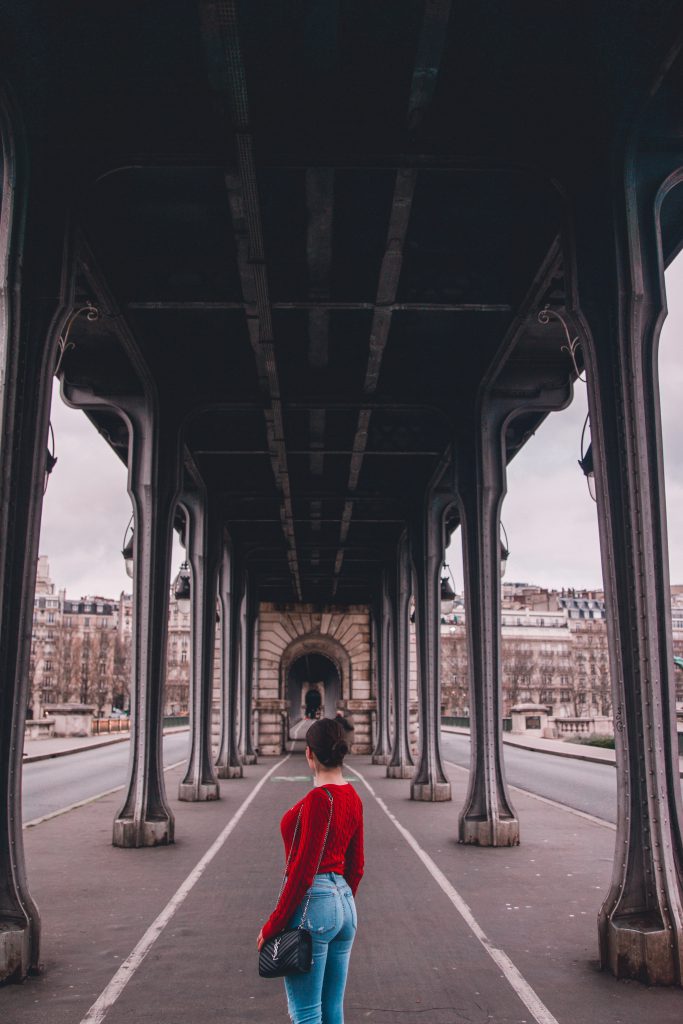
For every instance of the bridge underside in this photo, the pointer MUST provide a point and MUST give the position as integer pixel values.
(293, 261)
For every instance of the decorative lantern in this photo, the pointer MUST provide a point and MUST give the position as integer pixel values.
(586, 463)
(128, 550)
(504, 552)
(447, 591)
(182, 589)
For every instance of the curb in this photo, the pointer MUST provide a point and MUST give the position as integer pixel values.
(32, 758)
(576, 756)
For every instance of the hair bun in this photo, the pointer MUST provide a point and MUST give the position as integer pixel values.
(325, 738)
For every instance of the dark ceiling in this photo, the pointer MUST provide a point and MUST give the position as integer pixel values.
(323, 224)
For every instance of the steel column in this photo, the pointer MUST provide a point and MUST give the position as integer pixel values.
(427, 549)
(228, 762)
(621, 302)
(145, 819)
(35, 304)
(202, 541)
(488, 817)
(383, 632)
(401, 765)
(248, 636)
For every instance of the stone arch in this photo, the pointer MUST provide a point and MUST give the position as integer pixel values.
(317, 643)
(341, 634)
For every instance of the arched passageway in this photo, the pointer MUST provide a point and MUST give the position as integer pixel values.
(309, 674)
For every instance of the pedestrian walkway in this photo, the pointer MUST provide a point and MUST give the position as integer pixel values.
(561, 748)
(448, 934)
(59, 746)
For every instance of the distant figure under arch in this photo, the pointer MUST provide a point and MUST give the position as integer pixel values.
(313, 703)
(313, 685)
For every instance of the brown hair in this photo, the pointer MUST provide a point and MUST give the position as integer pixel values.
(325, 739)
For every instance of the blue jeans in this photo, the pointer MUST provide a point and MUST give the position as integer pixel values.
(318, 997)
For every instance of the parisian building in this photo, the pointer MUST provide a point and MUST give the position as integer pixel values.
(81, 651)
(554, 652)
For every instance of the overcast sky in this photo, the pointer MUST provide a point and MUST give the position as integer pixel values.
(548, 514)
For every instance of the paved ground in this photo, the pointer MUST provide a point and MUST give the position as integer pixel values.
(527, 952)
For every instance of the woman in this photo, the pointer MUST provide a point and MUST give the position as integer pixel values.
(318, 997)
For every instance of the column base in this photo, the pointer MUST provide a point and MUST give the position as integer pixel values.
(381, 758)
(635, 946)
(130, 834)
(229, 771)
(485, 832)
(15, 953)
(249, 759)
(400, 771)
(432, 791)
(192, 791)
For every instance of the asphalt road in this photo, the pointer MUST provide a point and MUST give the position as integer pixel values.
(61, 781)
(580, 784)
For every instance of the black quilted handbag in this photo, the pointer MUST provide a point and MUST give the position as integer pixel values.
(291, 952)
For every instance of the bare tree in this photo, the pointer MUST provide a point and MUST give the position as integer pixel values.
(121, 671)
(455, 684)
(518, 671)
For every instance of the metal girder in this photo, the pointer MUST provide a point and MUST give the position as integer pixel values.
(226, 66)
(425, 72)
(321, 306)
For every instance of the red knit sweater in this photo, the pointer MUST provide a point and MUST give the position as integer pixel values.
(343, 849)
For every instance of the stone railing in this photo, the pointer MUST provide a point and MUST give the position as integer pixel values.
(601, 725)
(40, 728)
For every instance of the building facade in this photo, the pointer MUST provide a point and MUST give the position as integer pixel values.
(554, 651)
(81, 651)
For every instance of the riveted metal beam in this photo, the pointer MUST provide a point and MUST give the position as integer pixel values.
(425, 72)
(226, 68)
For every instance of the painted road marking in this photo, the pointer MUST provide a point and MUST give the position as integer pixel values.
(111, 993)
(88, 800)
(517, 981)
(301, 778)
(291, 778)
(553, 803)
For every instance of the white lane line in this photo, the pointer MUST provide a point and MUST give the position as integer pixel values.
(111, 993)
(553, 803)
(88, 800)
(517, 981)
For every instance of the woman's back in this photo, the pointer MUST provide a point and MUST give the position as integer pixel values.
(323, 839)
(342, 852)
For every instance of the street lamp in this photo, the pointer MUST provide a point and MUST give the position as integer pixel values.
(182, 588)
(127, 550)
(447, 591)
(504, 552)
(586, 461)
(50, 458)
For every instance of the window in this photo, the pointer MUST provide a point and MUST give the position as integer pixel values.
(48, 666)
(51, 617)
(183, 656)
(86, 621)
